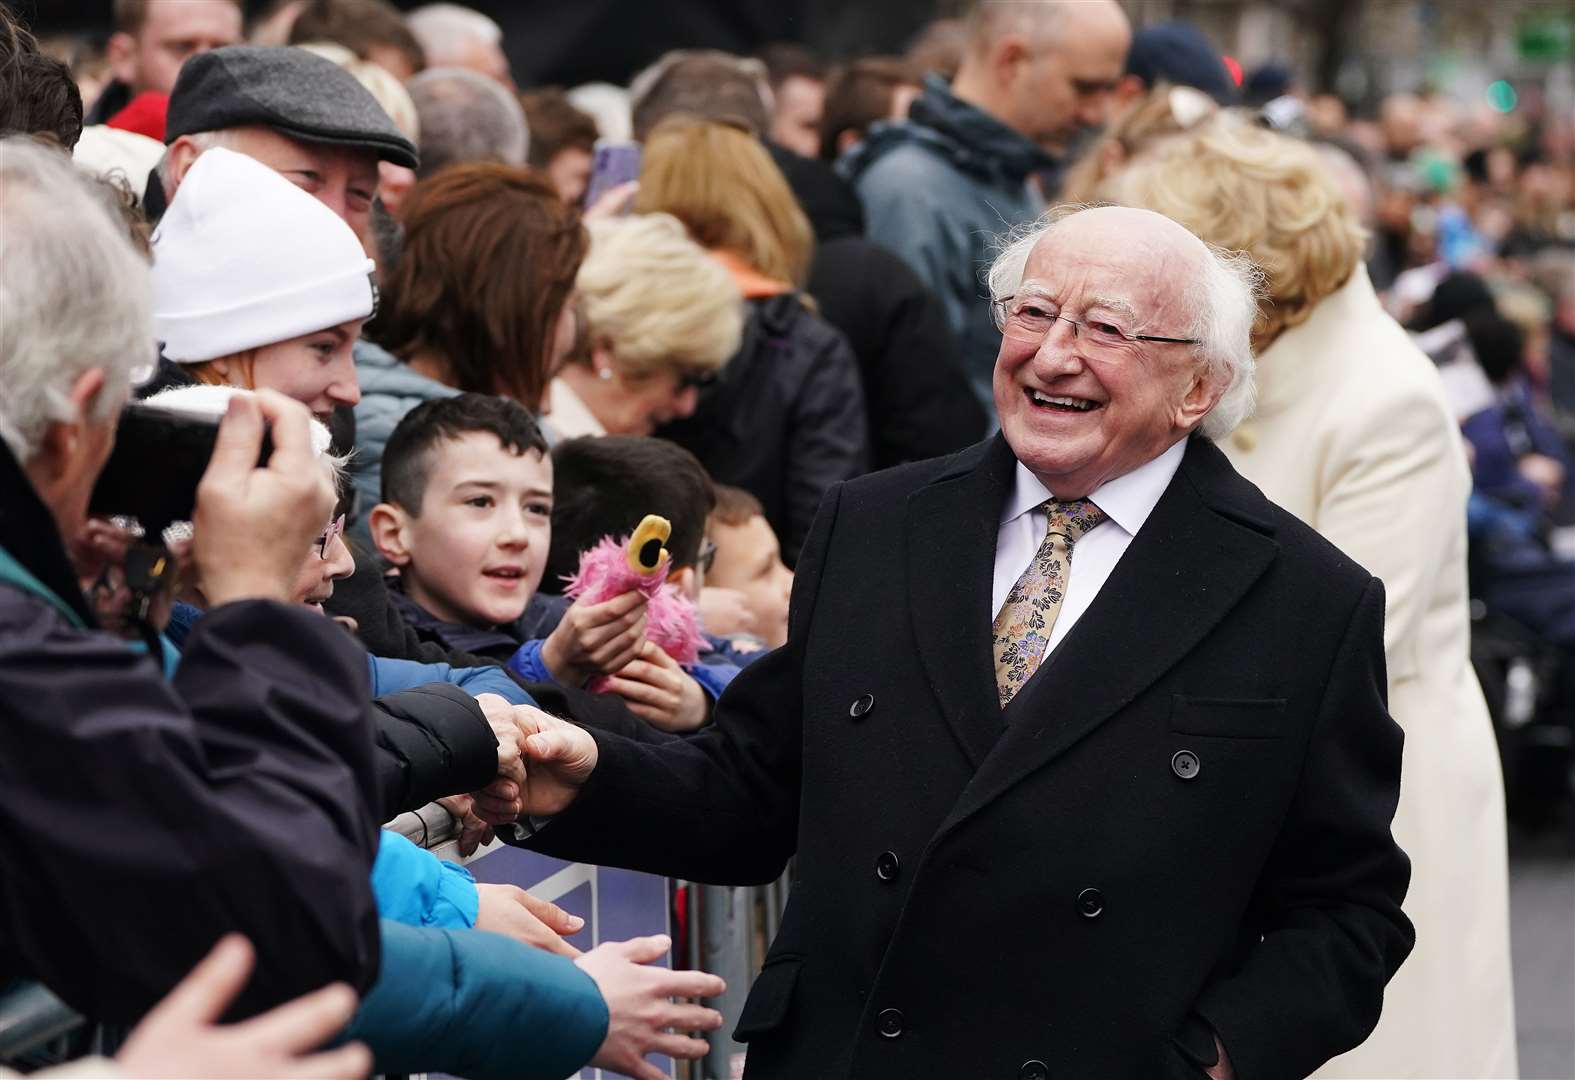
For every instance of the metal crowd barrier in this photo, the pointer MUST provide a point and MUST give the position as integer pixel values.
(729, 929)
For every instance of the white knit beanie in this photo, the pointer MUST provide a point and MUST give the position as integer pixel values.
(244, 258)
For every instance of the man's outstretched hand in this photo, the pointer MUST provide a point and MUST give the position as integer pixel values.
(558, 757)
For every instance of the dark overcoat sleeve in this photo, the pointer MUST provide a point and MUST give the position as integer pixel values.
(720, 806)
(1327, 905)
(141, 819)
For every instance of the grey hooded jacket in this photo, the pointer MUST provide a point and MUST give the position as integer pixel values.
(939, 190)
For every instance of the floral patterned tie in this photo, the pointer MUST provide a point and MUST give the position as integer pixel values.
(1022, 629)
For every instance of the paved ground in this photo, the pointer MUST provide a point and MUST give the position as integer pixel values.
(1542, 929)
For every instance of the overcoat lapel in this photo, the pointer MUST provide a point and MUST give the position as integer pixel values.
(950, 533)
(1194, 559)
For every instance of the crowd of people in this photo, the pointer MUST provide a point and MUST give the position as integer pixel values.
(450, 352)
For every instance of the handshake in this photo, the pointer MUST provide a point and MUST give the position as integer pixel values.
(561, 754)
(542, 761)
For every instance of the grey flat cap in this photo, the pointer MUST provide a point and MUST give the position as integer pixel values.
(295, 92)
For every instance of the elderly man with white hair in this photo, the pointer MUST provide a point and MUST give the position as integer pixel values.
(142, 817)
(1123, 815)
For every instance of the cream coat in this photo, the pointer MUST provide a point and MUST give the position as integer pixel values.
(1352, 435)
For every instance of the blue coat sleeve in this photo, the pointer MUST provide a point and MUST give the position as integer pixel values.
(390, 675)
(527, 664)
(713, 678)
(415, 887)
(479, 1005)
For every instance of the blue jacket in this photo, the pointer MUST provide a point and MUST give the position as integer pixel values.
(415, 887)
(479, 1005)
(938, 189)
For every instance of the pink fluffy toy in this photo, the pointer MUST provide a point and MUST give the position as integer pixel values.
(640, 562)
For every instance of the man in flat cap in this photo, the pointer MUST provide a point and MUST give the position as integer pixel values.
(299, 114)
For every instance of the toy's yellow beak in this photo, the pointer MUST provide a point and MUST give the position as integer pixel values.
(645, 552)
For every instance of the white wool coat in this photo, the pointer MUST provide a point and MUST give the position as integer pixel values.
(1352, 435)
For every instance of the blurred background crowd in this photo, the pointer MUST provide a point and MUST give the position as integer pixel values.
(740, 246)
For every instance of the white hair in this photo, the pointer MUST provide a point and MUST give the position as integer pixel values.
(1223, 299)
(74, 295)
(445, 30)
(465, 116)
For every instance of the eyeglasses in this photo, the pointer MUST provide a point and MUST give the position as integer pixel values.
(707, 555)
(333, 531)
(1030, 318)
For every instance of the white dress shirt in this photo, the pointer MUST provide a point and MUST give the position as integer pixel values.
(1127, 502)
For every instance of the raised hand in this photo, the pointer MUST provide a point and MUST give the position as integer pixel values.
(515, 913)
(252, 525)
(640, 1013)
(181, 1036)
(660, 692)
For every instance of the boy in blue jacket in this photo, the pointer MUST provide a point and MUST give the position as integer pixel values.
(468, 517)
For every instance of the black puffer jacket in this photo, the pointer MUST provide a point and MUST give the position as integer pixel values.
(786, 420)
(432, 741)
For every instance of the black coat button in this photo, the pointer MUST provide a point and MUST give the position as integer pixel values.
(1091, 903)
(886, 866)
(1185, 764)
(1034, 1070)
(889, 1023)
(861, 705)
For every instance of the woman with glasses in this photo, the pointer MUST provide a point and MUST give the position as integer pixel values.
(1353, 435)
(661, 319)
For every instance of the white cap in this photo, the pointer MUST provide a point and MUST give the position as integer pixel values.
(244, 258)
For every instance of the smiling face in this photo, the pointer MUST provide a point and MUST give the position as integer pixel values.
(314, 584)
(475, 552)
(1077, 413)
(315, 369)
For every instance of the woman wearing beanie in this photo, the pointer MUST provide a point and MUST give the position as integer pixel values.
(258, 285)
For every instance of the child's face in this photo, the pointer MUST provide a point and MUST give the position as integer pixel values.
(476, 552)
(749, 560)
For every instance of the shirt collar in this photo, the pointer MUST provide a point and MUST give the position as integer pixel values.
(1127, 500)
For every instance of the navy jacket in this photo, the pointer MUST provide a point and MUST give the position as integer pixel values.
(142, 818)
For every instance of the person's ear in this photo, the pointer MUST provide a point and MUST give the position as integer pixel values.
(1009, 59)
(388, 525)
(602, 361)
(1205, 392)
(847, 139)
(687, 580)
(1128, 88)
(182, 154)
(57, 452)
(121, 53)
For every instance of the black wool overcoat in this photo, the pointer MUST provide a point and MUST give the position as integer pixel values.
(1179, 826)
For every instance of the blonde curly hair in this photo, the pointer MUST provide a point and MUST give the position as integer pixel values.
(1245, 188)
(656, 298)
